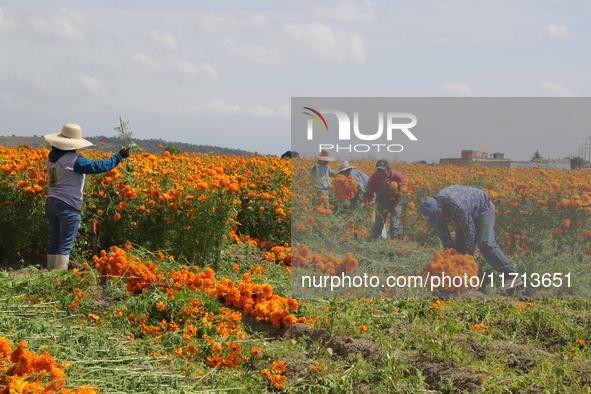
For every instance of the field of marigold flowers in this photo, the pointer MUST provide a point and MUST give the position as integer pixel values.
(542, 222)
(191, 289)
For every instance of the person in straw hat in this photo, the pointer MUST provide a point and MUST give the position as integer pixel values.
(66, 173)
(323, 173)
(358, 176)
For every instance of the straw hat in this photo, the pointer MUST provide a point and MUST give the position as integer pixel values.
(344, 165)
(325, 156)
(69, 139)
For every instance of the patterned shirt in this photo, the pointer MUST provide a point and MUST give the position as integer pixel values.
(462, 204)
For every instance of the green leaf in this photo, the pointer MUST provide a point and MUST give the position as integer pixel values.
(559, 371)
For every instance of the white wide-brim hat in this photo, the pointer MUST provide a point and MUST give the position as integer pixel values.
(69, 139)
(343, 166)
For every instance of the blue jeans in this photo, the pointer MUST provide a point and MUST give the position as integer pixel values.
(485, 239)
(394, 212)
(64, 222)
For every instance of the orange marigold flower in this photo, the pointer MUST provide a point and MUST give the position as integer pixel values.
(278, 381)
(289, 320)
(267, 290)
(5, 348)
(255, 351)
(292, 304)
(362, 329)
(265, 373)
(278, 366)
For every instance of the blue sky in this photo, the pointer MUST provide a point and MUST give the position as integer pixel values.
(223, 73)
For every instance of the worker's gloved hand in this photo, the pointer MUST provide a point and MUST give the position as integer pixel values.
(124, 153)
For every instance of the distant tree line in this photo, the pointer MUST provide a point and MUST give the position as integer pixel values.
(113, 144)
(159, 145)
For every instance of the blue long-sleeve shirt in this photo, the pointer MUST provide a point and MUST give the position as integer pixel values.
(462, 204)
(87, 166)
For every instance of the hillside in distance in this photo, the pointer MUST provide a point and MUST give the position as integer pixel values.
(113, 144)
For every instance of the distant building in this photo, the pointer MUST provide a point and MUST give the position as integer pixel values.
(547, 164)
(470, 156)
(498, 159)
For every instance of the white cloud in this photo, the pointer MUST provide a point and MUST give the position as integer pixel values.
(456, 89)
(13, 101)
(221, 107)
(203, 70)
(40, 84)
(163, 40)
(216, 24)
(319, 41)
(93, 86)
(255, 52)
(315, 41)
(259, 110)
(144, 64)
(557, 32)
(6, 23)
(555, 90)
(346, 11)
(284, 112)
(67, 25)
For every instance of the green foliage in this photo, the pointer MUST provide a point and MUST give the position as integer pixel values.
(172, 150)
(125, 135)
